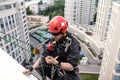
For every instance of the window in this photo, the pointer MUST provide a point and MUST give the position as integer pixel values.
(20, 58)
(5, 39)
(4, 7)
(12, 17)
(13, 55)
(14, 4)
(2, 25)
(8, 49)
(116, 78)
(117, 68)
(119, 55)
(9, 37)
(17, 60)
(14, 44)
(10, 23)
(8, 6)
(17, 19)
(6, 24)
(1, 44)
(15, 33)
(21, 3)
(23, 16)
(11, 47)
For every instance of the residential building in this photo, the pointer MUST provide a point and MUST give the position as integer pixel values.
(46, 4)
(14, 36)
(110, 69)
(50, 2)
(34, 8)
(79, 11)
(103, 18)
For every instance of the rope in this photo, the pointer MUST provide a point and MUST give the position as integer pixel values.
(15, 38)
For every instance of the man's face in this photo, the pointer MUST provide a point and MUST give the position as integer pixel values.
(57, 37)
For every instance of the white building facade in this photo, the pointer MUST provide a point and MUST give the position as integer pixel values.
(79, 11)
(103, 18)
(13, 28)
(50, 2)
(110, 69)
(34, 8)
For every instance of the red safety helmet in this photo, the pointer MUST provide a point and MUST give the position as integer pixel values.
(58, 25)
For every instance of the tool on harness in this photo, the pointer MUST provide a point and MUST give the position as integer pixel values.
(53, 69)
(50, 46)
(36, 51)
(57, 68)
(68, 43)
(55, 49)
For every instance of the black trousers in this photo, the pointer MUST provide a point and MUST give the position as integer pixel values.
(46, 71)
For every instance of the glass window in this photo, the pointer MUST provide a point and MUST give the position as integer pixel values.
(8, 49)
(2, 8)
(21, 3)
(119, 55)
(1, 44)
(14, 44)
(8, 6)
(15, 33)
(117, 68)
(14, 4)
(6, 24)
(13, 55)
(10, 24)
(2, 25)
(11, 47)
(116, 78)
(17, 59)
(5, 39)
(9, 37)
(16, 18)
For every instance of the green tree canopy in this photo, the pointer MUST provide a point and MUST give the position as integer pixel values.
(57, 9)
(29, 12)
(40, 2)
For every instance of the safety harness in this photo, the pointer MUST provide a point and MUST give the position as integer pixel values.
(56, 54)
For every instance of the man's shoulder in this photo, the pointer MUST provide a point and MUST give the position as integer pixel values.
(75, 39)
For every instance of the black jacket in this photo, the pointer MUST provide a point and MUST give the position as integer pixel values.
(71, 56)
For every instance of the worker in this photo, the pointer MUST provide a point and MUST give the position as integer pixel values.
(61, 54)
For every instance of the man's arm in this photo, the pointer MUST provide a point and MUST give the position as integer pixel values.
(28, 71)
(37, 63)
(64, 65)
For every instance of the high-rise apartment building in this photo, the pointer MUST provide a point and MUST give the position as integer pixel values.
(79, 11)
(13, 28)
(50, 2)
(110, 69)
(103, 18)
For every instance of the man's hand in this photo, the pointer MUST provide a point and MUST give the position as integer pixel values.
(51, 60)
(26, 72)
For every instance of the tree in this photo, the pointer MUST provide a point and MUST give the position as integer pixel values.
(40, 2)
(29, 12)
(56, 9)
